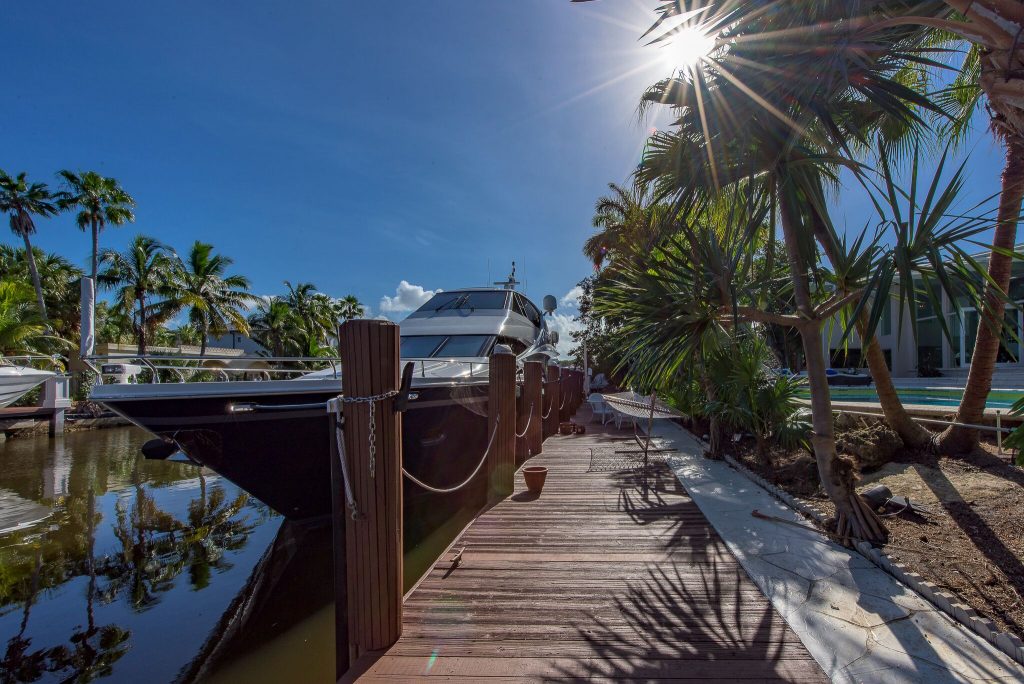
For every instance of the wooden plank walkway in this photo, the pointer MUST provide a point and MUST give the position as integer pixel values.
(608, 575)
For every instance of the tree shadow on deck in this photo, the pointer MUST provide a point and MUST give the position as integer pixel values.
(654, 495)
(703, 624)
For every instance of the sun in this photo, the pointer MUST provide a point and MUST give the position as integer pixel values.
(687, 48)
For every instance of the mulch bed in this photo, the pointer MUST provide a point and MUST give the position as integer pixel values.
(971, 545)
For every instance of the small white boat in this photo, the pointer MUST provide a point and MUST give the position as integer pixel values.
(16, 381)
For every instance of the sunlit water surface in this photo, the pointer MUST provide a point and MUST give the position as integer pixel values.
(115, 566)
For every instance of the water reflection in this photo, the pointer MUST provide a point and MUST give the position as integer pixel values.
(113, 564)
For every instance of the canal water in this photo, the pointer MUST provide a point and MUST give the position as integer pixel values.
(114, 566)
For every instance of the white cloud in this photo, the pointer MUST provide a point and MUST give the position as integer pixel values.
(407, 297)
(572, 297)
(564, 324)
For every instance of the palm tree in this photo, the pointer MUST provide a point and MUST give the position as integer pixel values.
(626, 220)
(993, 66)
(61, 289)
(274, 325)
(21, 325)
(349, 307)
(783, 116)
(22, 200)
(101, 201)
(143, 271)
(214, 299)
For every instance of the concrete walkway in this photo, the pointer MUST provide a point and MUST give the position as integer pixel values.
(857, 621)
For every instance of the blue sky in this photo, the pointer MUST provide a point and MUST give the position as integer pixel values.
(356, 145)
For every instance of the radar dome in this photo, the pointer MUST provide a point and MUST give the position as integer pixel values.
(550, 303)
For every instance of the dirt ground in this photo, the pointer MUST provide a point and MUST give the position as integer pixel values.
(971, 541)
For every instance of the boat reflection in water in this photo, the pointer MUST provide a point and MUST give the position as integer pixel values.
(111, 565)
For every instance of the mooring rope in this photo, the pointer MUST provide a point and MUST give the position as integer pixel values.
(449, 490)
(334, 406)
(520, 435)
(565, 397)
(550, 406)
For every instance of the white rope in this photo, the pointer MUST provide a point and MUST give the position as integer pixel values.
(334, 406)
(449, 490)
(520, 435)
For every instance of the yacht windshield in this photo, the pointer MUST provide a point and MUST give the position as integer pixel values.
(445, 346)
(469, 301)
(420, 346)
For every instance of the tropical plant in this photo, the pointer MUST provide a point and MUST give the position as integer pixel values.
(214, 299)
(349, 307)
(21, 326)
(60, 280)
(627, 220)
(274, 325)
(993, 66)
(23, 200)
(143, 276)
(100, 201)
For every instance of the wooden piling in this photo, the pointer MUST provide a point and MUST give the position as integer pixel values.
(552, 399)
(501, 412)
(533, 374)
(373, 540)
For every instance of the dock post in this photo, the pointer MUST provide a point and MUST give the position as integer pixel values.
(533, 374)
(373, 534)
(565, 389)
(501, 415)
(56, 397)
(552, 398)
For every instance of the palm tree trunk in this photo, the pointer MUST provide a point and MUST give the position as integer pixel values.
(202, 343)
(142, 325)
(958, 440)
(95, 250)
(913, 434)
(30, 257)
(854, 519)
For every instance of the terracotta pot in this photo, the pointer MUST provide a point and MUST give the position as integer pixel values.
(535, 476)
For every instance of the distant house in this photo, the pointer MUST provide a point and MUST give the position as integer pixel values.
(932, 352)
(234, 339)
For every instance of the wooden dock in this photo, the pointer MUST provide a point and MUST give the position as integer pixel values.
(609, 575)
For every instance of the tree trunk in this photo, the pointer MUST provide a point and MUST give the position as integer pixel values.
(913, 434)
(958, 440)
(95, 251)
(202, 342)
(142, 326)
(854, 518)
(31, 259)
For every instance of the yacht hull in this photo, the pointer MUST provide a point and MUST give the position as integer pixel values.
(17, 381)
(282, 457)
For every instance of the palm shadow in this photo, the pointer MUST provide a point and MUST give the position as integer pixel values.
(707, 622)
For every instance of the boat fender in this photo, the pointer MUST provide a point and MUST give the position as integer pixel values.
(158, 449)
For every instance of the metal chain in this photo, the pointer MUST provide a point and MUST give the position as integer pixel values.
(372, 401)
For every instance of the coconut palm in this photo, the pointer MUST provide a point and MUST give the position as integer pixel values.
(143, 277)
(61, 285)
(214, 299)
(626, 220)
(274, 325)
(23, 200)
(100, 201)
(21, 325)
(349, 307)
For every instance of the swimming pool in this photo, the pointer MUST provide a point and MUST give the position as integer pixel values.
(929, 396)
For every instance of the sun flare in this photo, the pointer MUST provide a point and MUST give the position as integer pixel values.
(687, 48)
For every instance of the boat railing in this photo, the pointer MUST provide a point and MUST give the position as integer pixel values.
(57, 361)
(449, 367)
(227, 368)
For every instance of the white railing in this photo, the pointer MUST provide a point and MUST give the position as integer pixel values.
(185, 367)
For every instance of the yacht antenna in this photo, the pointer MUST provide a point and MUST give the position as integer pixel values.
(511, 283)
